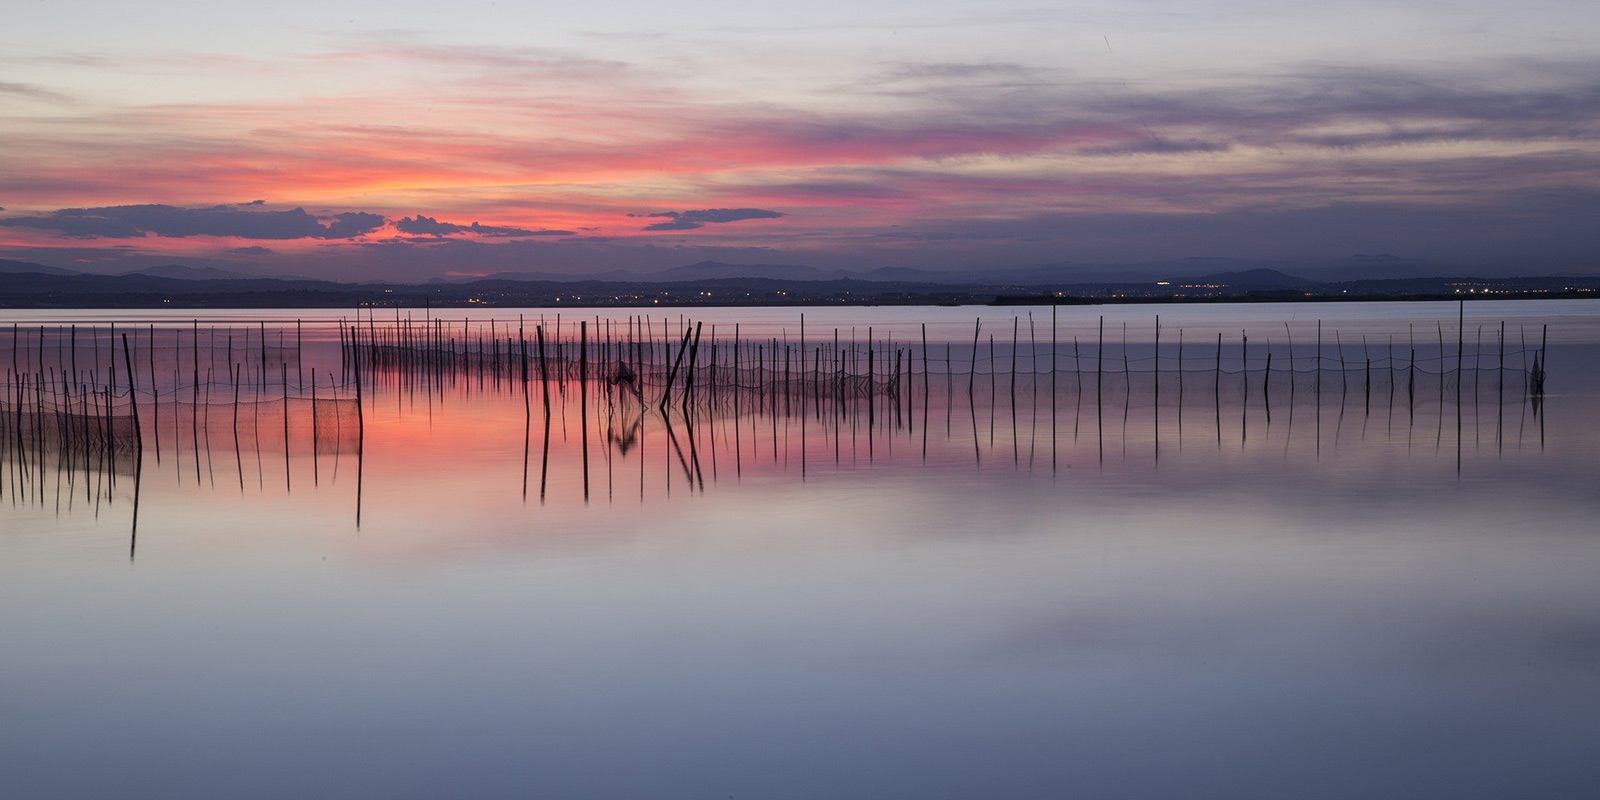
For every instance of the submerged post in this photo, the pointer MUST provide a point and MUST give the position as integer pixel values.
(355, 369)
(694, 356)
(972, 371)
(544, 369)
(672, 374)
(127, 356)
(583, 399)
(522, 347)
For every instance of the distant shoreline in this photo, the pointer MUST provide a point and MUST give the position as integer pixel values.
(33, 290)
(1331, 298)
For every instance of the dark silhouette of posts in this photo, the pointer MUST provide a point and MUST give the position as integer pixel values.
(694, 355)
(544, 369)
(544, 380)
(133, 401)
(672, 374)
(361, 421)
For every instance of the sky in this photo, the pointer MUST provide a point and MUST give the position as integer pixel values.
(406, 140)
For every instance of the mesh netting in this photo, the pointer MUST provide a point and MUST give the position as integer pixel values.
(52, 428)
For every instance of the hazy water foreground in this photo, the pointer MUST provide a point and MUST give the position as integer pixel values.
(907, 552)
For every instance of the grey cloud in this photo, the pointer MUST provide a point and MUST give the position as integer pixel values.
(1499, 233)
(425, 226)
(847, 185)
(128, 222)
(690, 220)
(352, 224)
(1160, 146)
(428, 226)
(252, 250)
(88, 60)
(495, 64)
(918, 236)
(1398, 107)
(1031, 108)
(1513, 232)
(31, 91)
(957, 71)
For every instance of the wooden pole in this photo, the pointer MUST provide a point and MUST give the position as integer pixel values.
(924, 369)
(583, 398)
(283, 377)
(527, 402)
(127, 356)
(544, 369)
(355, 361)
(1053, 362)
(972, 370)
(672, 374)
(694, 354)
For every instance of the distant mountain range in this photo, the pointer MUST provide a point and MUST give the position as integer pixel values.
(8, 267)
(187, 273)
(181, 272)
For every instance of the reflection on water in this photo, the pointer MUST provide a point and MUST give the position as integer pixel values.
(1019, 560)
(255, 402)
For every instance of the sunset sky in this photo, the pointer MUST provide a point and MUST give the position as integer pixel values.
(406, 140)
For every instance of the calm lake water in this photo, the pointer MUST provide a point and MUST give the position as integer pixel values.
(1264, 584)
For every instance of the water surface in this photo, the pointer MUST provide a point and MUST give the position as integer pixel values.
(1068, 587)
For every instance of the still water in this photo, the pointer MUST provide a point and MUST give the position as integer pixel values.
(998, 582)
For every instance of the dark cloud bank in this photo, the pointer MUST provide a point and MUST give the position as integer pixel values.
(690, 220)
(428, 226)
(132, 222)
(244, 221)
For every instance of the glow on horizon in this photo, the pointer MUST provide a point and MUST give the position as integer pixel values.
(922, 134)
